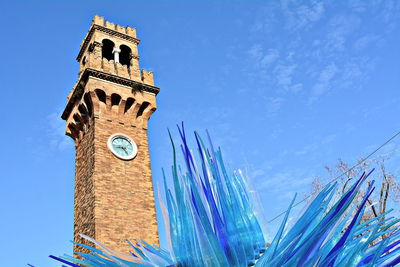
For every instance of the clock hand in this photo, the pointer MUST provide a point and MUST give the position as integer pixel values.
(120, 147)
(124, 149)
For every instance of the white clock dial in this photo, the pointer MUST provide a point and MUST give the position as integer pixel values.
(122, 146)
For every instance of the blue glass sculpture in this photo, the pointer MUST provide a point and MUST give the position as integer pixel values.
(210, 221)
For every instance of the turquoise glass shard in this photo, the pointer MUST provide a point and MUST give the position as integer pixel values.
(210, 221)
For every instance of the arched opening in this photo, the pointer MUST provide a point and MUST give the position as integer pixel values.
(89, 105)
(82, 110)
(73, 130)
(142, 108)
(129, 103)
(78, 122)
(125, 55)
(101, 95)
(115, 99)
(107, 49)
(84, 60)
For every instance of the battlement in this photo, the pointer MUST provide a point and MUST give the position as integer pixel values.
(115, 27)
(147, 77)
(101, 27)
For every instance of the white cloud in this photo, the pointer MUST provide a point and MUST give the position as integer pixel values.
(302, 16)
(261, 58)
(273, 105)
(307, 149)
(257, 173)
(324, 81)
(328, 139)
(256, 51)
(289, 181)
(283, 74)
(314, 146)
(366, 40)
(309, 48)
(56, 132)
(269, 57)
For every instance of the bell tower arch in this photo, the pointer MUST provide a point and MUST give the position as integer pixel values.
(107, 115)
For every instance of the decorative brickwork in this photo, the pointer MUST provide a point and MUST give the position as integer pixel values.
(114, 198)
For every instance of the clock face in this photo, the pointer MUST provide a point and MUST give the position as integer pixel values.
(122, 146)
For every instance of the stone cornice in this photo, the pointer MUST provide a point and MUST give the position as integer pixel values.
(106, 30)
(80, 87)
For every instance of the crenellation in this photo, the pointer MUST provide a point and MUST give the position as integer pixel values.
(98, 20)
(122, 70)
(135, 71)
(120, 29)
(92, 53)
(108, 66)
(130, 31)
(110, 25)
(147, 77)
(100, 25)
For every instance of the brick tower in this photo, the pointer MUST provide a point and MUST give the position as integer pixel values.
(106, 115)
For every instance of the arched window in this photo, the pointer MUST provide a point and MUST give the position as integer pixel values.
(82, 110)
(115, 98)
(78, 121)
(101, 95)
(125, 55)
(129, 103)
(84, 60)
(107, 49)
(73, 130)
(142, 108)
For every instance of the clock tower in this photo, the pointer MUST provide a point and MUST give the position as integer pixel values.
(106, 115)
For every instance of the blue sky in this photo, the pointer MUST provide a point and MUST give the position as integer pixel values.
(284, 87)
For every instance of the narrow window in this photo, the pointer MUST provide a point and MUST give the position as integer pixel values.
(128, 104)
(115, 98)
(142, 108)
(125, 55)
(101, 95)
(82, 109)
(107, 49)
(84, 61)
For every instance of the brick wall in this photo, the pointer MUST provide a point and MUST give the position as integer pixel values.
(124, 198)
(84, 219)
